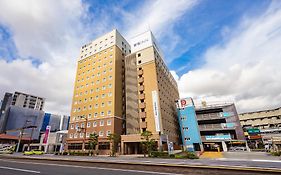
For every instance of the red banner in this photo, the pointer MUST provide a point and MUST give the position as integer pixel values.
(46, 137)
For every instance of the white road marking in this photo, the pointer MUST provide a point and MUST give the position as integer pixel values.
(261, 160)
(250, 160)
(18, 169)
(77, 166)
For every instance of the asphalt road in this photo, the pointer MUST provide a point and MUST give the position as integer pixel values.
(68, 165)
(22, 167)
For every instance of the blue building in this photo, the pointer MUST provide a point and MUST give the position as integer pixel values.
(57, 122)
(190, 133)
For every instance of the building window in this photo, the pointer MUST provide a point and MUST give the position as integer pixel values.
(88, 124)
(71, 136)
(95, 124)
(139, 54)
(88, 135)
(101, 133)
(96, 114)
(102, 113)
(75, 135)
(81, 135)
(101, 123)
(102, 104)
(109, 103)
(109, 94)
(108, 122)
(109, 112)
(107, 133)
(72, 126)
(110, 85)
(103, 95)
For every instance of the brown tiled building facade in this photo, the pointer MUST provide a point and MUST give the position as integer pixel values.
(120, 92)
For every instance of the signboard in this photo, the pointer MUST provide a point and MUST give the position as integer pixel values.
(254, 137)
(218, 137)
(182, 103)
(253, 130)
(47, 132)
(156, 110)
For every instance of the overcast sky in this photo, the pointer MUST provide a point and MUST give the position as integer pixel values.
(217, 50)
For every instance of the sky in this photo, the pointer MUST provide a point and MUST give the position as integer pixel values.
(217, 50)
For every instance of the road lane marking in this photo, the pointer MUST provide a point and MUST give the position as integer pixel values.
(18, 169)
(77, 166)
(250, 160)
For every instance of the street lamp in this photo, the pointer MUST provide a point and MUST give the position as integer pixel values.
(84, 131)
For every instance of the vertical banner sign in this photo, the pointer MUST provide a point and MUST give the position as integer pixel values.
(156, 110)
(47, 132)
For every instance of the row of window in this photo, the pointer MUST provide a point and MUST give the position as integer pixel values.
(95, 124)
(97, 97)
(93, 76)
(95, 49)
(93, 69)
(109, 103)
(81, 135)
(95, 114)
(97, 82)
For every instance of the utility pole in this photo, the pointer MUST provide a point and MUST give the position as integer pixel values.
(85, 131)
(20, 137)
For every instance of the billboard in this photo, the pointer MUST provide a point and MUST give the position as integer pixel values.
(156, 110)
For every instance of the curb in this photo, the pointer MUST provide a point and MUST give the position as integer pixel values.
(234, 168)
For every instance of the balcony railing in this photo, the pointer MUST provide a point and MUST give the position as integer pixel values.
(208, 127)
(142, 115)
(140, 80)
(141, 96)
(140, 72)
(212, 116)
(141, 88)
(143, 124)
(142, 105)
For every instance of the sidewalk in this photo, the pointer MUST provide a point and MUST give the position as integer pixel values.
(250, 156)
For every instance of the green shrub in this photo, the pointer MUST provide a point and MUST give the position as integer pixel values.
(276, 153)
(159, 154)
(191, 155)
(172, 156)
(186, 155)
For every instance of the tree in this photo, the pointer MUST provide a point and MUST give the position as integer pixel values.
(114, 140)
(148, 142)
(93, 142)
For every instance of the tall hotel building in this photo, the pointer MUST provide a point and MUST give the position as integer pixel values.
(151, 92)
(99, 94)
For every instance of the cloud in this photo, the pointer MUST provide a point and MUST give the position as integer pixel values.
(160, 17)
(51, 33)
(245, 68)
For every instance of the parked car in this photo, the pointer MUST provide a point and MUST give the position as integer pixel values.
(33, 152)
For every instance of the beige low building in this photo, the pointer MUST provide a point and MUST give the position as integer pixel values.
(269, 124)
(261, 119)
(151, 92)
